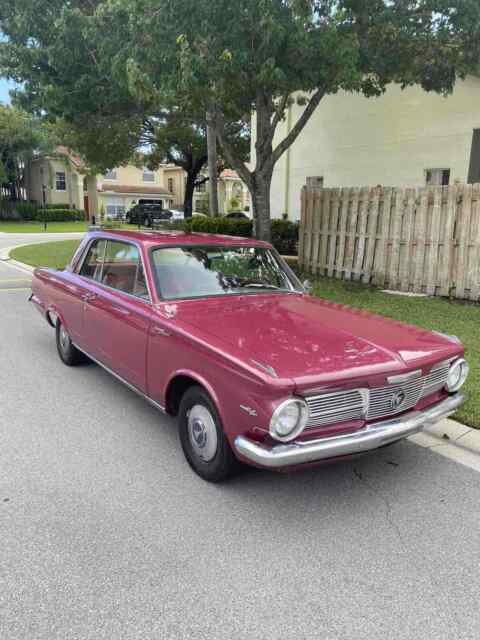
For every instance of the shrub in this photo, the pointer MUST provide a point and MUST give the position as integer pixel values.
(26, 210)
(285, 236)
(58, 206)
(224, 226)
(234, 204)
(284, 232)
(59, 215)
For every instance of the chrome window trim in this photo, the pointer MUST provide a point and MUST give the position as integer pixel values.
(125, 293)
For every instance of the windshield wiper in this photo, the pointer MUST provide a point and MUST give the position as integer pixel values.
(258, 285)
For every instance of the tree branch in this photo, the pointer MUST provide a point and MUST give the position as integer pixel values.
(230, 154)
(278, 114)
(298, 127)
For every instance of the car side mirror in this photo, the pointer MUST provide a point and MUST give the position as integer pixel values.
(308, 286)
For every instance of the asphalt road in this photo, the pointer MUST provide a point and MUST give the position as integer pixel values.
(106, 533)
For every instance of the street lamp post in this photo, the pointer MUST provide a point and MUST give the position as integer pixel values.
(44, 199)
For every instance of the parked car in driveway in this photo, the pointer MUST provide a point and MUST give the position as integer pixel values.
(220, 333)
(148, 214)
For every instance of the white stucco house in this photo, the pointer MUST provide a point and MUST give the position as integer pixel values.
(404, 138)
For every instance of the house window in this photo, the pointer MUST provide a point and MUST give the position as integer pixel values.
(148, 176)
(315, 181)
(437, 177)
(60, 181)
(171, 187)
(111, 174)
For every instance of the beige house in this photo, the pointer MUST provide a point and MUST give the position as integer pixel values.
(62, 178)
(404, 138)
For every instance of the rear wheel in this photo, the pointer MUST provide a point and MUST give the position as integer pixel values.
(203, 439)
(67, 351)
(147, 222)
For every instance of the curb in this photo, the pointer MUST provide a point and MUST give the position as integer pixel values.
(6, 259)
(452, 440)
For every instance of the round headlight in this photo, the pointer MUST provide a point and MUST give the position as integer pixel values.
(289, 419)
(457, 375)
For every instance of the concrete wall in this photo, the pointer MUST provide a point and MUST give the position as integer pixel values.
(391, 140)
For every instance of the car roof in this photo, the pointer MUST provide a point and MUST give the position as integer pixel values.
(169, 238)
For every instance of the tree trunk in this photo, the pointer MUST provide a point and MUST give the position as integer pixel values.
(261, 206)
(212, 164)
(189, 189)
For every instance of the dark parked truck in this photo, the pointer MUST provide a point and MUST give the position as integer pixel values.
(148, 214)
(220, 332)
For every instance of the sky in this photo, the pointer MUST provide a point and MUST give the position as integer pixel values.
(5, 86)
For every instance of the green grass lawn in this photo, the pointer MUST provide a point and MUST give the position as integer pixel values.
(37, 227)
(46, 254)
(439, 314)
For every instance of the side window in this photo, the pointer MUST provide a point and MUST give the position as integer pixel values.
(92, 265)
(123, 269)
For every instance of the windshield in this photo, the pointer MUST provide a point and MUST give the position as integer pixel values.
(194, 271)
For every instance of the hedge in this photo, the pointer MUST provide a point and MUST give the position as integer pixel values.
(25, 210)
(33, 211)
(59, 215)
(284, 232)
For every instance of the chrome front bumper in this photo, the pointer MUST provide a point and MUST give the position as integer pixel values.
(371, 437)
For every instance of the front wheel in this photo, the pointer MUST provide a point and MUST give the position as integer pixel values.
(203, 440)
(67, 351)
(147, 222)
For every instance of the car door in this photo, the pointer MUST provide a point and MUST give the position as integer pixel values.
(75, 288)
(118, 314)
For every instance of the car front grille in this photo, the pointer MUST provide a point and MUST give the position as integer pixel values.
(371, 404)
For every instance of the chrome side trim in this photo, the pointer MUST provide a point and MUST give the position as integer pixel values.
(120, 379)
(371, 437)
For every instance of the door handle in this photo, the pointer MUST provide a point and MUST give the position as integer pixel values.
(159, 331)
(89, 297)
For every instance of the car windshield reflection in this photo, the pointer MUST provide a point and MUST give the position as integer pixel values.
(198, 271)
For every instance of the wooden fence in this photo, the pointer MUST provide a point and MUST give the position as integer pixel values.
(420, 240)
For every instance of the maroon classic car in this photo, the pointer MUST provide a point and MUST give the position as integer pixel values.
(220, 332)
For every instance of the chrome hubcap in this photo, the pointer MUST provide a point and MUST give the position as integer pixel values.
(202, 432)
(64, 339)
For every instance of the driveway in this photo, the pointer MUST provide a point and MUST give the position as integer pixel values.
(107, 534)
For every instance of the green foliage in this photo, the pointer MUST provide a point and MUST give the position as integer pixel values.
(219, 225)
(285, 236)
(20, 136)
(284, 232)
(25, 210)
(62, 205)
(234, 204)
(130, 64)
(59, 215)
(34, 211)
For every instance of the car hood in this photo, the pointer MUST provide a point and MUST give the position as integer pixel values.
(310, 340)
